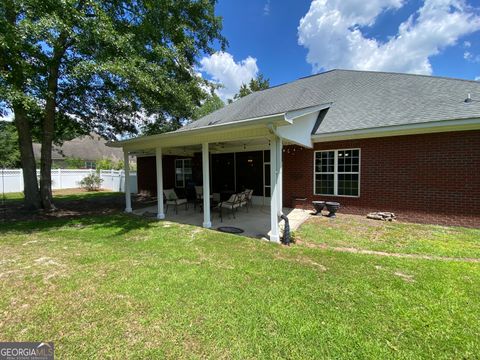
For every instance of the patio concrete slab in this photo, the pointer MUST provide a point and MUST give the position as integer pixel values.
(255, 223)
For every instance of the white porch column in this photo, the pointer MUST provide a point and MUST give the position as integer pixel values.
(206, 186)
(128, 195)
(274, 230)
(280, 176)
(158, 157)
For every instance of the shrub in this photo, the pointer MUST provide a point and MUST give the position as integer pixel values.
(91, 182)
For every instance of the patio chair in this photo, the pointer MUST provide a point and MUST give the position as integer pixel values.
(232, 203)
(198, 196)
(172, 199)
(242, 199)
(248, 198)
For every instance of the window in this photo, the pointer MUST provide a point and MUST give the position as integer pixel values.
(183, 172)
(337, 172)
(90, 165)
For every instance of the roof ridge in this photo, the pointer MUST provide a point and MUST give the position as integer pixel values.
(364, 71)
(400, 73)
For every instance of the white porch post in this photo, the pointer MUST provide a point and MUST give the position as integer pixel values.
(280, 177)
(128, 195)
(158, 157)
(206, 186)
(274, 230)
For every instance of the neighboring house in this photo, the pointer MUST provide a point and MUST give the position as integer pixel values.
(369, 140)
(85, 150)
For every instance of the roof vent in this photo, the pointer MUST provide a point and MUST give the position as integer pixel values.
(468, 99)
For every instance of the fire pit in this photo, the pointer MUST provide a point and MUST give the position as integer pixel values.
(332, 207)
(230, 229)
(318, 205)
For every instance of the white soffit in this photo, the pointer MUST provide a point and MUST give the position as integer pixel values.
(303, 121)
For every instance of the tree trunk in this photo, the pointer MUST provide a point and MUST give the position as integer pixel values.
(47, 139)
(32, 196)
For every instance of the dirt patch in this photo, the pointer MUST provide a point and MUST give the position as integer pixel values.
(405, 277)
(67, 208)
(386, 254)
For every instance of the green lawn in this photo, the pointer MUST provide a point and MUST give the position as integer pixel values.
(396, 237)
(66, 194)
(124, 287)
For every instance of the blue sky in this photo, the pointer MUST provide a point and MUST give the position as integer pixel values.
(288, 39)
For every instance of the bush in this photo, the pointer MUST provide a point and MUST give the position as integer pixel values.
(91, 182)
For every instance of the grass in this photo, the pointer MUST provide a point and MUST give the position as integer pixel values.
(123, 287)
(66, 195)
(393, 237)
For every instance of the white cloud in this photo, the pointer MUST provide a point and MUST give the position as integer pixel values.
(477, 78)
(266, 8)
(331, 32)
(223, 69)
(467, 55)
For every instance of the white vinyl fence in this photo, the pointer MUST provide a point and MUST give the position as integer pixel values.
(11, 180)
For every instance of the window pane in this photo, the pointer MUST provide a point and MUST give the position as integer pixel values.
(348, 184)
(325, 161)
(324, 184)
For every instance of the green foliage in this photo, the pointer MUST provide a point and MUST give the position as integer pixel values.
(210, 105)
(109, 164)
(9, 152)
(116, 58)
(74, 163)
(258, 84)
(91, 182)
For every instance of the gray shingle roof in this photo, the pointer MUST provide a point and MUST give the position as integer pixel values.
(360, 100)
(91, 147)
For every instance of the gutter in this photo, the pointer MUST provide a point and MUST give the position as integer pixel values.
(405, 129)
(283, 118)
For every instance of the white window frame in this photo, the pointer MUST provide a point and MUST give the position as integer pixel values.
(183, 171)
(335, 172)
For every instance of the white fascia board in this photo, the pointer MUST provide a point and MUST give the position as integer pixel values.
(278, 119)
(398, 130)
(303, 121)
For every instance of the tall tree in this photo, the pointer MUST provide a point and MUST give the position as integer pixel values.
(9, 153)
(211, 104)
(96, 65)
(256, 84)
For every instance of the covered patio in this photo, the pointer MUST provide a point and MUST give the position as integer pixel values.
(264, 134)
(255, 223)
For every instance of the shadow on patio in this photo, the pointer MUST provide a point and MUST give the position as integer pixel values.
(255, 223)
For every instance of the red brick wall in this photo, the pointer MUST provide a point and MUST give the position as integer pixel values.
(430, 178)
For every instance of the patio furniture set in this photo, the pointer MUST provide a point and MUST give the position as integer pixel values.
(234, 202)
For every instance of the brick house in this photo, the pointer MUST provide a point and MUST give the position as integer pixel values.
(404, 143)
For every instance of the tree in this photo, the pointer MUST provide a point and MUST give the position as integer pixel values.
(95, 65)
(210, 105)
(257, 84)
(9, 153)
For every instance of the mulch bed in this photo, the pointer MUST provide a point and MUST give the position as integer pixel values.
(14, 210)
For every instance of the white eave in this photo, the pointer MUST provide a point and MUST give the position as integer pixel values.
(397, 130)
(294, 126)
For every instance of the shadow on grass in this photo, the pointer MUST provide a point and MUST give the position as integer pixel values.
(123, 222)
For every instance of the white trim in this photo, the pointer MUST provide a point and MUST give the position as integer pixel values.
(398, 130)
(128, 195)
(336, 173)
(159, 171)
(274, 228)
(207, 222)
